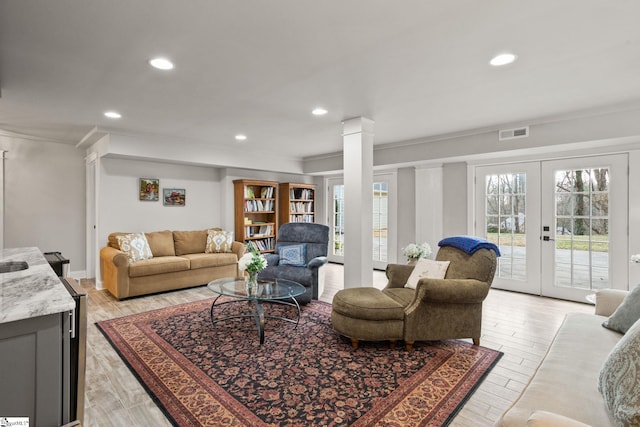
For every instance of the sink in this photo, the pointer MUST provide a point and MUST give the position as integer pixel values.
(7, 267)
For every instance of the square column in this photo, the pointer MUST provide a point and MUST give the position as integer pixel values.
(357, 139)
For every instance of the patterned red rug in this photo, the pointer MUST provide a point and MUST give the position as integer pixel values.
(218, 376)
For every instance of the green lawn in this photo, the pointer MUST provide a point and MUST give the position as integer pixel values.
(579, 243)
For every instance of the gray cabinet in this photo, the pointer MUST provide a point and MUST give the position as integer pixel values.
(34, 362)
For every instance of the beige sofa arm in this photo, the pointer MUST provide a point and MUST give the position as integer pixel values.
(397, 275)
(607, 300)
(455, 291)
(114, 268)
(238, 249)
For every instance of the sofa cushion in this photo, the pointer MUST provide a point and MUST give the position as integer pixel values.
(190, 242)
(136, 247)
(160, 265)
(367, 304)
(161, 243)
(566, 382)
(619, 380)
(626, 314)
(211, 260)
(218, 241)
(294, 255)
(550, 419)
(427, 268)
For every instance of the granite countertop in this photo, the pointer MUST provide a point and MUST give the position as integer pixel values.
(36, 291)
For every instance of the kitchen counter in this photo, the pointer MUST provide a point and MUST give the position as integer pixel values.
(33, 292)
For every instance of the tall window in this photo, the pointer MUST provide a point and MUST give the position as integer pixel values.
(582, 228)
(506, 222)
(380, 220)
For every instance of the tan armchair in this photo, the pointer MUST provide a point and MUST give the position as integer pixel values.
(437, 309)
(446, 308)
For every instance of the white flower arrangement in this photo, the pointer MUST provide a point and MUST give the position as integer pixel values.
(415, 251)
(252, 261)
(635, 258)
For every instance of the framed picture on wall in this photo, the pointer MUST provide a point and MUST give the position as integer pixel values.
(149, 189)
(173, 196)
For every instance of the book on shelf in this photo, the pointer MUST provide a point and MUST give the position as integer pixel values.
(266, 192)
(301, 206)
(301, 193)
(259, 205)
(301, 218)
(248, 192)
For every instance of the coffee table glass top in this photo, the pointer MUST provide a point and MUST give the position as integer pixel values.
(267, 290)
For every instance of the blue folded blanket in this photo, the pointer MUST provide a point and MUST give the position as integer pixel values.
(469, 244)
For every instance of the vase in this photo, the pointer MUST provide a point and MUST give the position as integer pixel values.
(251, 282)
(412, 261)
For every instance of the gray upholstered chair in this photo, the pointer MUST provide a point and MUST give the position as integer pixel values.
(437, 309)
(316, 239)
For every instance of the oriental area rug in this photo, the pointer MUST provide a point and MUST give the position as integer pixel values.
(201, 375)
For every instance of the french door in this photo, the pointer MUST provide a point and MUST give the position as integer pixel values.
(560, 225)
(383, 240)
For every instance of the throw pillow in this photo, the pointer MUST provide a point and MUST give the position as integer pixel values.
(219, 241)
(427, 268)
(295, 255)
(136, 247)
(619, 380)
(626, 314)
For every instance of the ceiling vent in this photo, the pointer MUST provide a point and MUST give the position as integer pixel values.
(506, 134)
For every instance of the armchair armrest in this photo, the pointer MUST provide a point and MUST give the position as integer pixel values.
(398, 274)
(456, 291)
(607, 300)
(272, 259)
(317, 262)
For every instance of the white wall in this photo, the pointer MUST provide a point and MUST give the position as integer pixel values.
(454, 202)
(429, 205)
(44, 195)
(121, 210)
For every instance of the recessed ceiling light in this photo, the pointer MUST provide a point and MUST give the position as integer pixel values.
(502, 59)
(161, 64)
(112, 114)
(319, 111)
(241, 137)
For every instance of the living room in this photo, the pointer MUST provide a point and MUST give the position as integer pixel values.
(70, 175)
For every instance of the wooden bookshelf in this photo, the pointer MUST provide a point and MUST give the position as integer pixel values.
(256, 213)
(297, 203)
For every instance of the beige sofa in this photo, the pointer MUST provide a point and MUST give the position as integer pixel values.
(566, 382)
(179, 261)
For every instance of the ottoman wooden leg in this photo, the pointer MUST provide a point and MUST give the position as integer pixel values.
(409, 345)
(354, 343)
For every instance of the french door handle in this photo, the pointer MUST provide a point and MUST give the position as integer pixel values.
(547, 238)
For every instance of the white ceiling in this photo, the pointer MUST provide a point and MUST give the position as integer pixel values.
(417, 68)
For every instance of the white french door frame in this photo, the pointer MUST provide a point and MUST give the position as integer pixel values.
(618, 219)
(540, 207)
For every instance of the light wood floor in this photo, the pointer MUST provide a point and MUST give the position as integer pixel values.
(521, 326)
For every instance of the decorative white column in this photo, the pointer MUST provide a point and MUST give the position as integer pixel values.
(357, 140)
(2, 199)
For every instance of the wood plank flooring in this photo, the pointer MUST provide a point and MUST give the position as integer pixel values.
(521, 326)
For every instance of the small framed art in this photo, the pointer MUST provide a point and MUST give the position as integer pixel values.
(149, 189)
(173, 196)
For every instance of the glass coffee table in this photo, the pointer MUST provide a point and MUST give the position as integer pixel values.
(279, 291)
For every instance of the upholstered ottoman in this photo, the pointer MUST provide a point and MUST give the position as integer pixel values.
(367, 314)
